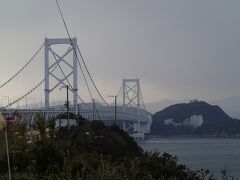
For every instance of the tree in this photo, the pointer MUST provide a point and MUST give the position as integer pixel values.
(51, 124)
(41, 126)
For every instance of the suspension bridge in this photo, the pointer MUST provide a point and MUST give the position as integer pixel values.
(62, 63)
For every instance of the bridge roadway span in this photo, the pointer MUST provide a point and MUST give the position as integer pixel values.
(126, 120)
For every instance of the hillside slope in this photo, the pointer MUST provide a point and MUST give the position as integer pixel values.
(195, 118)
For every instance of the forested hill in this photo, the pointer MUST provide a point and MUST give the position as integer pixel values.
(194, 118)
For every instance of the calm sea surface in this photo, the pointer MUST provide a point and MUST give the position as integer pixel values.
(214, 154)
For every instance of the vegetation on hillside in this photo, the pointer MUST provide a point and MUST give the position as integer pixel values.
(87, 151)
(215, 121)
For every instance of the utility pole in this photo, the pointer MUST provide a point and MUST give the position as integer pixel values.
(8, 159)
(67, 108)
(93, 110)
(3, 127)
(78, 117)
(115, 108)
(115, 114)
(67, 105)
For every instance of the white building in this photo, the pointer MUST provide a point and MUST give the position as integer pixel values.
(168, 121)
(196, 120)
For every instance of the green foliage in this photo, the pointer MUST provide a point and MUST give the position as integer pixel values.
(20, 137)
(47, 158)
(51, 123)
(2, 145)
(41, 126)
(89, 151)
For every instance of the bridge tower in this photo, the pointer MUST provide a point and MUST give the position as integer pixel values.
(131, 92)
(49, 68)
(131, 98)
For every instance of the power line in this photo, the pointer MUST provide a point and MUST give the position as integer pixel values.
(25, 65)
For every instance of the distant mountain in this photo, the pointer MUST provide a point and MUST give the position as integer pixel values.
(194, 118)
(231, 105)
(162, 104)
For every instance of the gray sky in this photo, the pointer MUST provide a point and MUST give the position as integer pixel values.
(179, 49)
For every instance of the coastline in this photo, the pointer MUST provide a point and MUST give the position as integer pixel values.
(148, 136)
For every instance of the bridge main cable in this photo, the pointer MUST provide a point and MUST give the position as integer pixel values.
(66, 28)
(18, 72)
(29, 92)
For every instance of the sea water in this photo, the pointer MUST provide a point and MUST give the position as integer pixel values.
(215, 154)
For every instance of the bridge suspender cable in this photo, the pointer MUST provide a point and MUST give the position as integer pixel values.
(29, 92)
(65, 25)
(29, 61)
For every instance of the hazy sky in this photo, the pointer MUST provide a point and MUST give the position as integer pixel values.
(179, 49)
